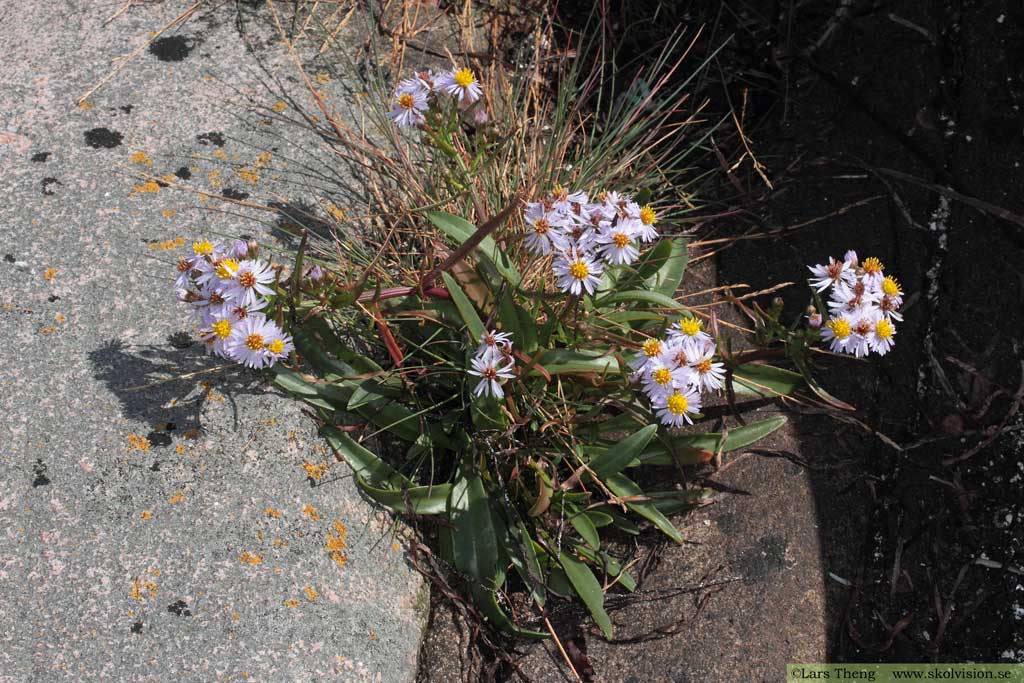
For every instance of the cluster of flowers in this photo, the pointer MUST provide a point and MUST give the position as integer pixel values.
(863, 305)
(227, 289)
(675, 371)
(586, 235)
(413, 96)
(492, 362)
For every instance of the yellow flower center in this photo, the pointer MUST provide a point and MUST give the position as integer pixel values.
(703, 367)
(883, 329)
(222, 328)
(652, 347)
(406, 101)
(579, 270)
(662, 376)
(254, 342)
(276, 346)
(620, 239)
(840, 327)
(890, 286)
(204, 247)
(690, 326)
(247, 279)
(226, 268)
(541, 226)
(677, 404)
(463, 77)
(648, 216)
(872, 266)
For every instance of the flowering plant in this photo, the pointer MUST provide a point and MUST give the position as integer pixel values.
(512, 384)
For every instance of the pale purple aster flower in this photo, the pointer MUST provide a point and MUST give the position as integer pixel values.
(544, 229)
(257, 342)
(824, 276)
(250, 281)
(490, 371)
(494, 345)
(675, 409)
(577, 272)
(408, 108)
(462, 85)
(616, 244)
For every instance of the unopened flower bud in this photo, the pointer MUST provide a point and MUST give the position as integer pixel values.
(254, 248)
(240, 249)
(315, 274)
(814, 320)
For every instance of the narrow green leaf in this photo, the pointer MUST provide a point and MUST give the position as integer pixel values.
(625, 487)
(460, 230)
(586, 529)
(565, 361)
(766, 380)
(673, 502)
(614, 460)
(422, 500)
(667, 278)
(363, 462)
(475, 542)
(640, 296)
(465, 306)
(589, 589)
(740, 437)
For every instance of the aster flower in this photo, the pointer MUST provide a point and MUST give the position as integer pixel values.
(824, 276)
(890, 287)
(216, 334)
(708, 375)
(675, 409)
(545, 230)
(408, 107)
(688, 328)
(256, 342)
(494, 345)
(462, 85)
(659, 380)
(576, 271)
(186, 268)
(490, 372)
(838, 332)
(647, 219)
(880, 338)
(652, 348)
(616, 244)
(862, 324)
(873, 275)
(250, 281)
(215, 269)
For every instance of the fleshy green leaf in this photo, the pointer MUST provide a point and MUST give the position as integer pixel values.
(737, 438)
(565, 361)
(422, 500)
(766, 380)
(475, 547)
(588, 588)
(586, 529)
(465, 306)
(460, 230)
(640, 296)
(363, 462)
(667, 278)
(615, 459)
(625, 487)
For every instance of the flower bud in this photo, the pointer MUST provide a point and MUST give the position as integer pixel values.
(240, 249)
(315, 274)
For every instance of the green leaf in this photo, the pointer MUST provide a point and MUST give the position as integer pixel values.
(475, 546)
(625, 487)
(673, 502)
(465, 306)
(487, 602)
(565, 361)
(422, 500)
(667, 278)
(517, 320)
(363, 462)
(460, 230)
(523, 554)
(586, 529)
(614, 460)
(735, 439)
(319, 393)
(766, 380)
(640, 296)
(371, 391)
(588, 588)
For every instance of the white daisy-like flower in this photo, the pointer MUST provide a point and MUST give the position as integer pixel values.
(890, 287)
(873, 272)
(494, 345)
(460, 84)
(838, 332)
(647, 219)
(256, 342)
(850, 296)
(688, 328)
(577, 272)
(675, 409)
(659, 380)
(186, 268)
(408, 107)
(650, 351)
(880, 338)
(708, 375)
(862, 324)
(415, 85)
(234, 310)
(216, 334)
(213, 270)
(251, 281)
(616, 244)
(580, 237)
(824, 276)
(490, 371)
(545, 230)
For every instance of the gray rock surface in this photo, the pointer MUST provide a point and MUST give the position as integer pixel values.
(156, 519)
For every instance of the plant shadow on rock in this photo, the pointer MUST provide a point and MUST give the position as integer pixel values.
(168, 387)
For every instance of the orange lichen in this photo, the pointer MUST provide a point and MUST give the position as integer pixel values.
(148, 187)
(59, 317)
(323, 78)
(138, 586)
(337, 543)
(263, 159)
(176, 498)
(49, 274)
(221, 154)
(311, 593)
(48, 330)
(248, 175)
(139, 443)
(141, 157)
(168, 213)
(250, 558)
(291, 603)
(271, 512)
(168, 244)
(339, 213)
(213, 177)
(311, 512)
(279, 106)
(180, 449)
(315, 471)
(146, 515)
(85, 105)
